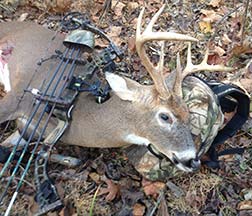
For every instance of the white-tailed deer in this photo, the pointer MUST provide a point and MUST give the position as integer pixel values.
(135, 114)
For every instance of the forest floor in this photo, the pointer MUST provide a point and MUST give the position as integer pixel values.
(222, 26)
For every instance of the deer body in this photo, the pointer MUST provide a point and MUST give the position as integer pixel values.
(135, 114)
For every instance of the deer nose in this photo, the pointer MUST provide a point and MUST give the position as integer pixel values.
(194, 164)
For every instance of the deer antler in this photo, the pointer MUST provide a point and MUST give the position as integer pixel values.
(156, 72)
(191, 68)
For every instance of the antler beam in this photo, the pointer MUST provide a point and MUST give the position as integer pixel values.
(156, 72)
(191, 68)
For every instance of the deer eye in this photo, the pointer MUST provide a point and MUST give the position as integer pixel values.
(165, 118)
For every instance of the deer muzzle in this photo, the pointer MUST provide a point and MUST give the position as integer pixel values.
(187, 164)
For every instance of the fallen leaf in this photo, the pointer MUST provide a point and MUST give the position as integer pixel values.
(133, 23)
(210, 16)
(227, 158)
(101, 43)
(215, 3)
(117, 7)
(58, 6)
(65, 212)
(219, 50)
(132, 6)
(112, 190)
(240, 49)
(33, 206)
(214, 59)
(247, 84)
(114, 33)
(205, 27)
(226, 40)
(138, 209)
(131, 197)
(95, 177)
(152, 188)
(244, 205)
(23, 17)
(132, 45)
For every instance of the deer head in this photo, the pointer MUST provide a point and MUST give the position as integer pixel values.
(162, 116)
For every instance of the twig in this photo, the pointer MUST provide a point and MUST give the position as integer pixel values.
(157, 203)
(244, 21)
(17, 178)
(106, 8)
(93, 201)
(9, 9)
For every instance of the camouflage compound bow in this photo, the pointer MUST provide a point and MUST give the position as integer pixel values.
(50, 101)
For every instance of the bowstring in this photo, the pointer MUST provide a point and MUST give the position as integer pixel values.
(42, 132)
(11, 156)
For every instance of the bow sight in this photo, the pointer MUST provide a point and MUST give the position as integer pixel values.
(56, 100)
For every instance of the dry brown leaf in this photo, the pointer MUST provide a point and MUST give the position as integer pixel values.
(132, 45)
(114, 33)
(117, 7)
(132, 6)
(58, 6)
(210, 16)
(101, 43)
(205, 27)
(215, 3)
(138, 209)
(227, 158)
(64, 212)
(240, 49)
(33, 206)
(219, 50)
(113, 190)
(152, 188)
(226, 40)
(133, 23)
(214, 59)
(247, 84)
(244, 205)
(23, 17)
(95, 177)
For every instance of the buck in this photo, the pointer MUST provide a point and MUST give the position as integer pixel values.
(135, 114)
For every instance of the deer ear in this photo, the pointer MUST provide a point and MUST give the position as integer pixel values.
(119, 86)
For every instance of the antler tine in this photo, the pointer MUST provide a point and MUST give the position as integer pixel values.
(139, 24)
(161, 60)
(203, 66)
(191, 68)
(148, 35)
(179, 78)
(154, 19)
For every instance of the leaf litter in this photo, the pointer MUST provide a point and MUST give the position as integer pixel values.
(221, 26)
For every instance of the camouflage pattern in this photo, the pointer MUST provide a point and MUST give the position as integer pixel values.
(206, 119)
(82, 38)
